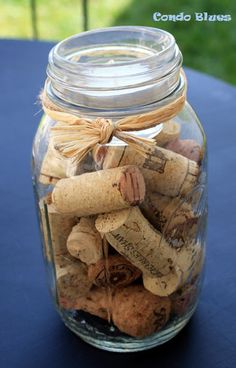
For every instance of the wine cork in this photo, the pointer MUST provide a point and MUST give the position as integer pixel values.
(170, 131)
(164, 171)
(95, 302)
(134, 238)
(183, 299)
(85, 242)
(129, 232)
(135, 311)
(171, 216)
(55, 228)
(168, 284)
(139, 313)
(72, 282)
(53, 167)
(60, 227)
(163, 285)
(186, 296)
(186, 147)
(99, 192)
(114, 271)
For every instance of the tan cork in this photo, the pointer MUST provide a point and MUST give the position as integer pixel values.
(95, 302)
(183, 299)
(114, 271)
(60, 227)
(163, 285)
(99, 192)
(164, 171)
(85, 242)
(133, 237)
(169, 132)
(139, 313)
(135, 311)
(56, 229)
(72, 282)
(174, 217)
(129, 232)
(53, 167)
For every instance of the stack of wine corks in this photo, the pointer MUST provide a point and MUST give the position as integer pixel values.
(123, 238)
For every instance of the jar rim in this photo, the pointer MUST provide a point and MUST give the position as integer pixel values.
(115, 67)
(150, 30)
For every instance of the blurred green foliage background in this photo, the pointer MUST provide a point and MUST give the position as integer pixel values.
(207, 46)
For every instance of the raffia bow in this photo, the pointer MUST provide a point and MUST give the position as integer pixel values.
(74, 137)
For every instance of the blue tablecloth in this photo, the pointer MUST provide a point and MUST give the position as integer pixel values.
(31, 333)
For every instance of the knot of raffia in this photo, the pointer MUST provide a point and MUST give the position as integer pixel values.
(74, 137)
(106, 129)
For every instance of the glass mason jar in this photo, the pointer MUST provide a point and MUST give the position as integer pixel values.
(123, 232)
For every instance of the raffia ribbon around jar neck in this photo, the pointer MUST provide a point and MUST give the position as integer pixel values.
(74, 137)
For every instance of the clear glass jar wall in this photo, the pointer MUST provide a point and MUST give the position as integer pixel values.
(124, 237)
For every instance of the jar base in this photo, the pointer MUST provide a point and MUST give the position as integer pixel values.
(123, 343)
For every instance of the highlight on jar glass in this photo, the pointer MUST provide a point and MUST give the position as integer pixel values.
(119, 174)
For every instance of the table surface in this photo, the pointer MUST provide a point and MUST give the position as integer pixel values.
(31, 332)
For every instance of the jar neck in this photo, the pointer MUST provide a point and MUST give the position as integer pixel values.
(117, 70)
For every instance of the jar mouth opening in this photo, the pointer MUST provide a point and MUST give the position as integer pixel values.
(115, 52)
(164, 42)
(115, 67)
